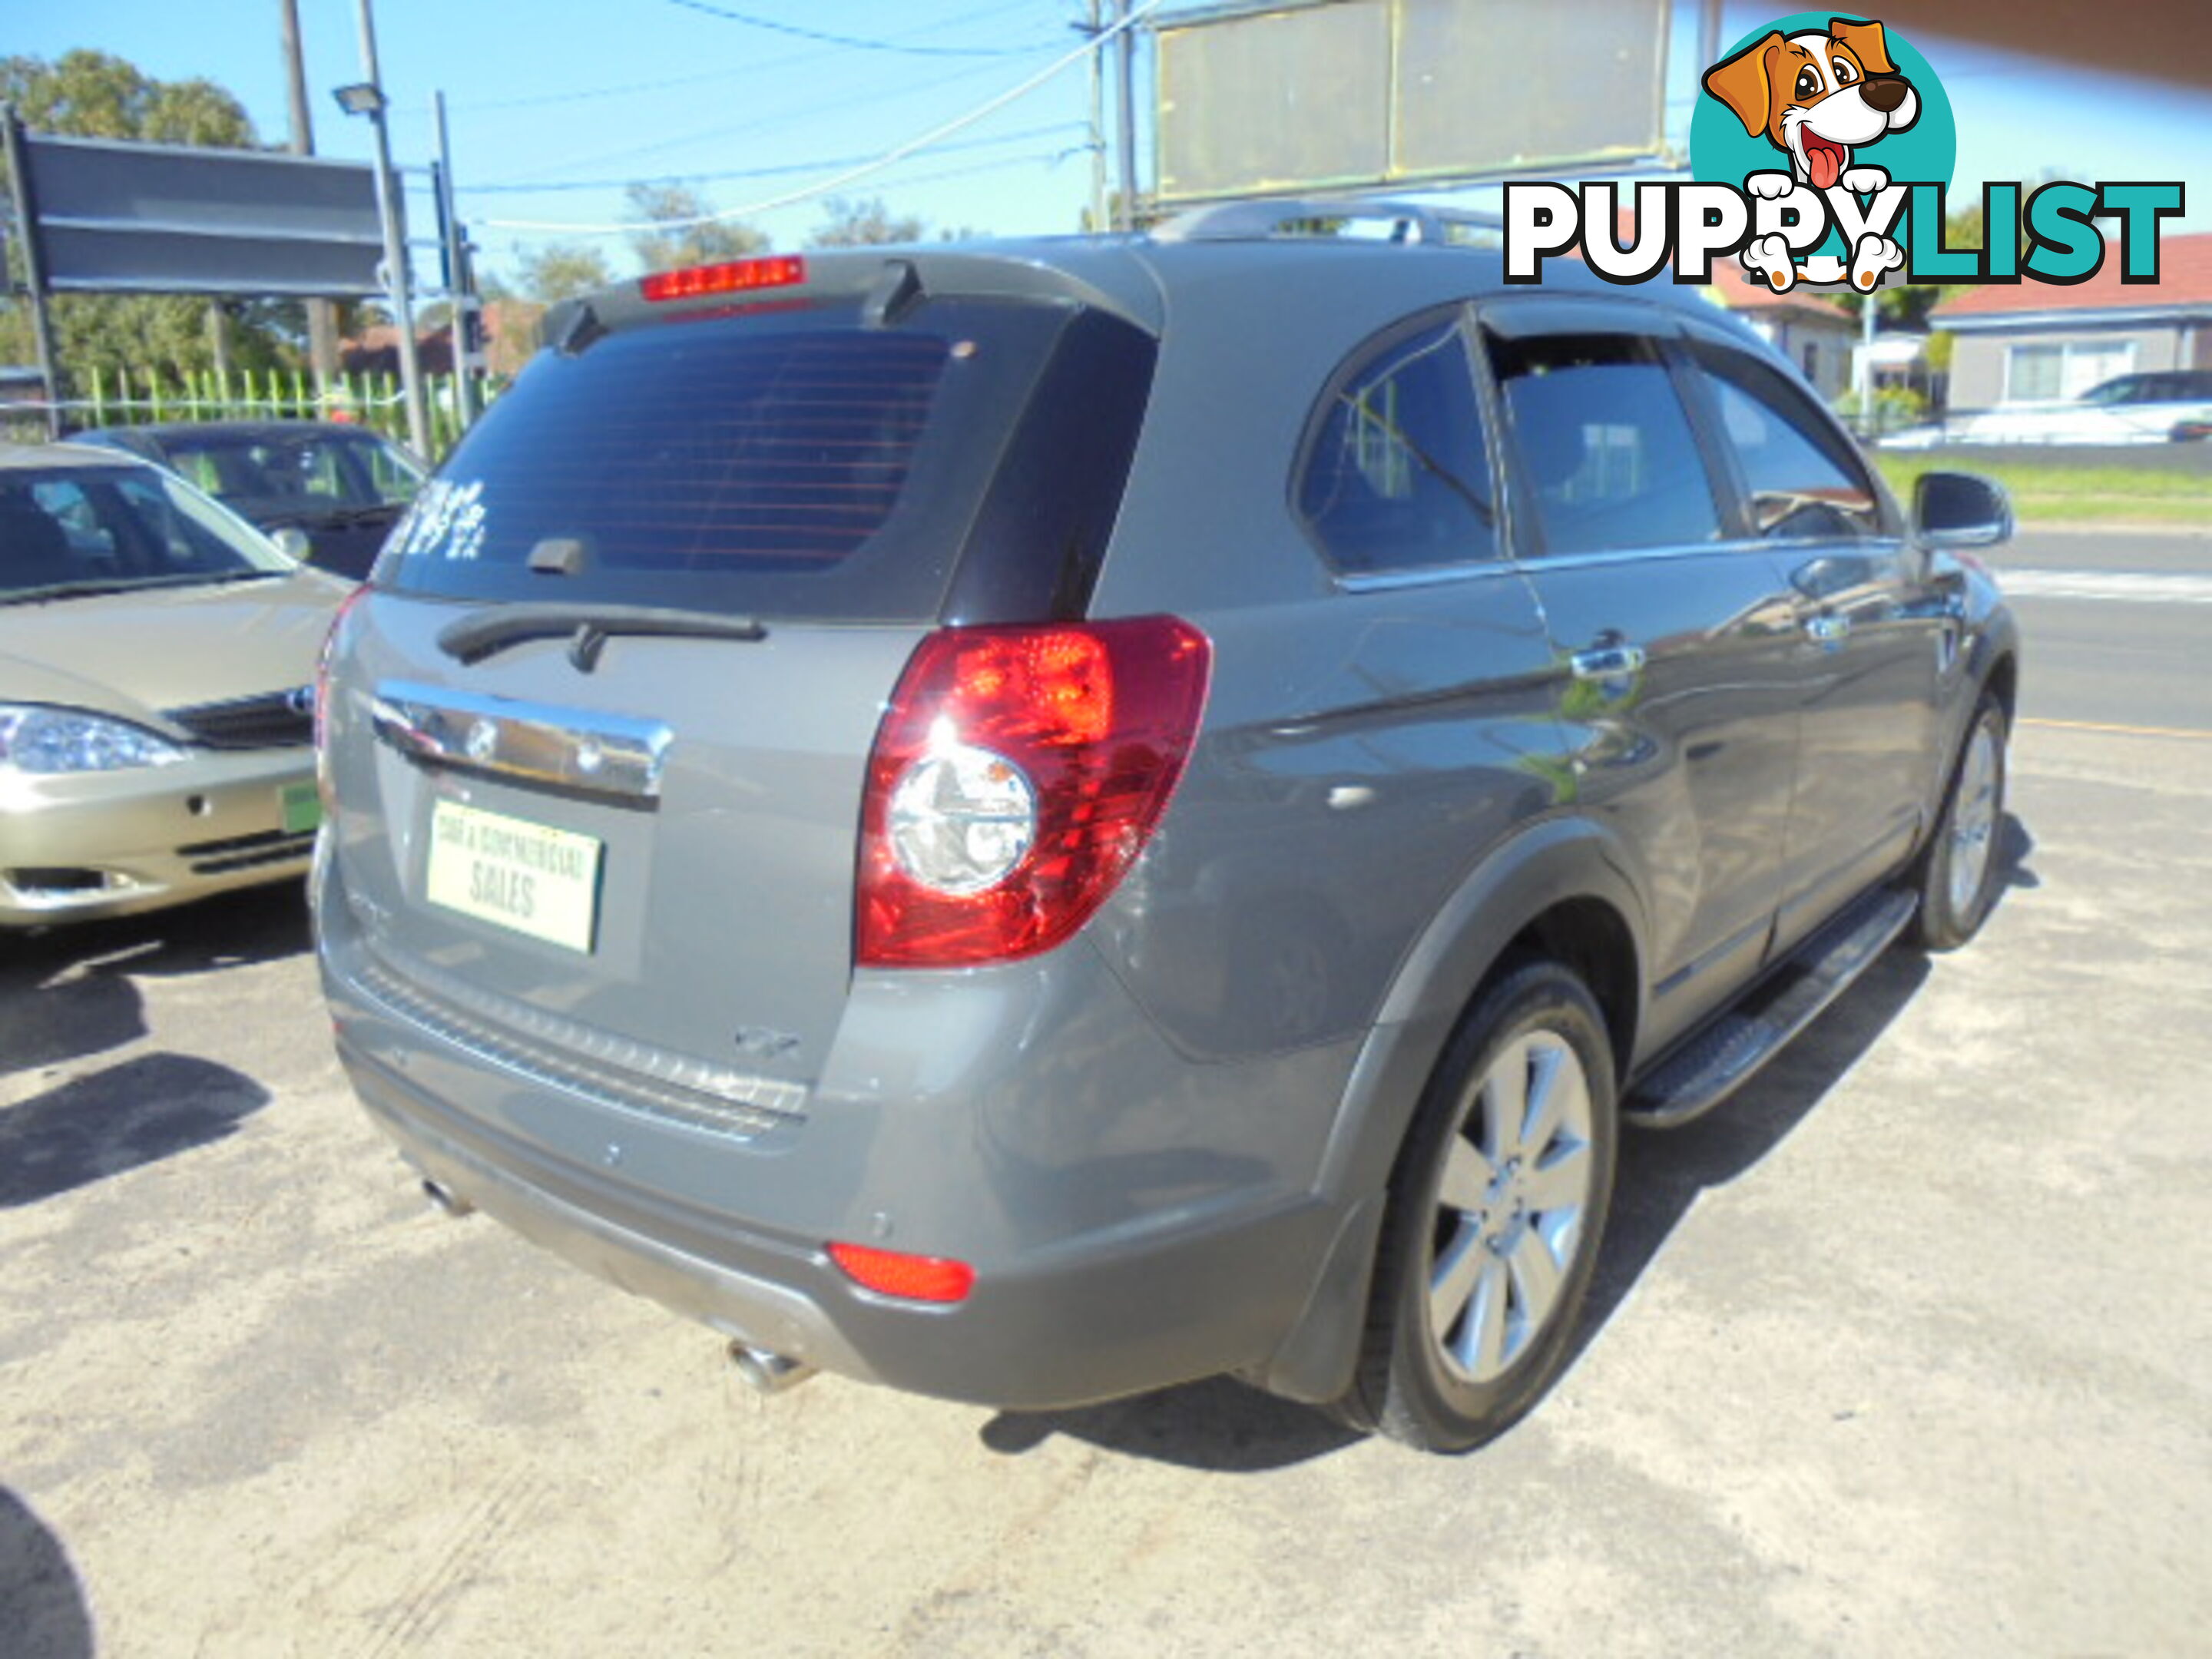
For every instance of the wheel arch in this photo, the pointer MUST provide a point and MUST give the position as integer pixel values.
(2001, 680)
(1559, 890)
(1991, 669)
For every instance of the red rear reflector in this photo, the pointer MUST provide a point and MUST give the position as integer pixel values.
(915, 1278)
(733, 277)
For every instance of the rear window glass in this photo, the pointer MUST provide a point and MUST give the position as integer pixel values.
(269, 475)
(784, 464)
(1398, 478)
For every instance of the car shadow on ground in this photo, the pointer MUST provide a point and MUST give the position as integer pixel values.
(1225, 1427)
(2015, 844)
(68, 993)
(119, 1119)
(43, 1613)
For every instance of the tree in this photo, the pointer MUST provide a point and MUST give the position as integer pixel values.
(560, 271)
(853, 223)
(1909, 304)
(677, 230)
(93, 94)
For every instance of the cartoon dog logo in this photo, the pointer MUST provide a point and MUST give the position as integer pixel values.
(1819, 98)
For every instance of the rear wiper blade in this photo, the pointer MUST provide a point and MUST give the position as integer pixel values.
(587, 628)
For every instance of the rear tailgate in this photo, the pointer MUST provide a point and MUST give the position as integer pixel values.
(679, 909)
(597, 733)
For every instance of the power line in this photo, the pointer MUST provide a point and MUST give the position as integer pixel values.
(770, 120)
(1022, 137)
(514, 246)
(855, 41)
(584, 94)
(890, 157)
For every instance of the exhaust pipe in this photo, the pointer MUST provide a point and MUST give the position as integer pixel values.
(767, 1373)
(445, 1200)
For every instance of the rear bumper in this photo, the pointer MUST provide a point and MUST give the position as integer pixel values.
(1089, 1325)
(115, 843)
(1122, 1241)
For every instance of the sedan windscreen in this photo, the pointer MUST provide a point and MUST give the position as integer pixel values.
(66, 531)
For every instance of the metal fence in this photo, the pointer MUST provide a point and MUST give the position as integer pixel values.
(132, 398)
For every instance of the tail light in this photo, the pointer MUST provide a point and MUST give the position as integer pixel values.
(1016, 777)
(323, 694)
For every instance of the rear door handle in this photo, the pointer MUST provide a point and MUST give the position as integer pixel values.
(1607, 662)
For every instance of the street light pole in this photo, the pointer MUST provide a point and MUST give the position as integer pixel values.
(395, 245)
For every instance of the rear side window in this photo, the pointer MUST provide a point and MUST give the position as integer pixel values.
(1397, 475)
(783, 464)
(390, 478)
(1804, 481)
(1605, 442)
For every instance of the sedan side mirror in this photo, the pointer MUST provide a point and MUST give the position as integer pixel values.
(292, 541)
(1960, 510)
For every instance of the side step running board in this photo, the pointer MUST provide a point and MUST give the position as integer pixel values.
(1703, 1071)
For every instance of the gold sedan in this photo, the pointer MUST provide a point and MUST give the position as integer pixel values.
(157, 664)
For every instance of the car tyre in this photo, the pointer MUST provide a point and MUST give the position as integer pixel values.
(1497, 1210)
(1959, 874)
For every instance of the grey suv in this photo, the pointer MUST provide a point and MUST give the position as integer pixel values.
(1037, 821)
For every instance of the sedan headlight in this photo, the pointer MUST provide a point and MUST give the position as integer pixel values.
(36, 738)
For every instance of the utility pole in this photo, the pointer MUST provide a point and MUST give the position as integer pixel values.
(461, 294)
(395, 246)
(1098, 120)
(322, 315)
(1126, 61)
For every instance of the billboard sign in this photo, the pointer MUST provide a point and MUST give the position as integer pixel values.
(1290, 97)
(111, 217)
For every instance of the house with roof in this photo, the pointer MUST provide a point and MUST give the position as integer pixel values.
(510, 328)
(2032, 342)
(1812, 331)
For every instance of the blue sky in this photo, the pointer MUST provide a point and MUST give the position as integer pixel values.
(586, 95)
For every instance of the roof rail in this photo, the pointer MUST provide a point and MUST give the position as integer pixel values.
(1328, 216)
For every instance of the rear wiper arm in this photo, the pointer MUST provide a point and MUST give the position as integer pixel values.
(587, 628)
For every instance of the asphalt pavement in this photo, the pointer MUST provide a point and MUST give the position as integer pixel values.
(2117, 624)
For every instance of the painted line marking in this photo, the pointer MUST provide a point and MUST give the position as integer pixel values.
(2128, 586)
(2186, 733)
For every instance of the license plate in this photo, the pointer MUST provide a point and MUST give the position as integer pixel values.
(301, 805)
(525, 877)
